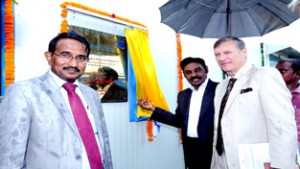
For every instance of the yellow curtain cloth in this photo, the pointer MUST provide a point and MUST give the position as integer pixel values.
(146, 81)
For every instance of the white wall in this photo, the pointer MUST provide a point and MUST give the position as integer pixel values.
(39, 21)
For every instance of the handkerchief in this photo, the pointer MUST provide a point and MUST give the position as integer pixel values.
(249, 89)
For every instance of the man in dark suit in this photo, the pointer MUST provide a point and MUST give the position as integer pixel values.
(194, 114)
(107, 88)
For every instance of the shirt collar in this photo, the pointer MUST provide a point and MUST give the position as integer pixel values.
(244, 68)
(202, 86)
(59, 81)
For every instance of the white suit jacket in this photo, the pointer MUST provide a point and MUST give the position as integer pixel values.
(37, 131)
(258, 110)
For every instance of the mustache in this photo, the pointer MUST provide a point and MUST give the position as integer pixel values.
(68, 68)
(196, 77)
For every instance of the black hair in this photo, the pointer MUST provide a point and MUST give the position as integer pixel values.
(69, 35)
(295, 63)
(110, 72)
(188, 60)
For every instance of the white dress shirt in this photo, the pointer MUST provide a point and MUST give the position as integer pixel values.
(195, 107)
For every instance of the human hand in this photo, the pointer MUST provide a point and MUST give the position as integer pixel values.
(145, 104)
(268, 166)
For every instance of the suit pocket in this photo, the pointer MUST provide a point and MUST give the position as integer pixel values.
(246, 90)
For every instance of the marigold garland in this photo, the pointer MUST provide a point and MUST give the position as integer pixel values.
(9, 44)
(64, 14)
(150, 130)
(180, 82)
(179, 58)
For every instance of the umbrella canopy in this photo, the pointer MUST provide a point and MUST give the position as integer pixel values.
(218, 18)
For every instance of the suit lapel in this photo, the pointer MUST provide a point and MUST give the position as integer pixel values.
(207, 98)
(240, 83)
(186, 100)
(89, 98)
(92, 102)
(54, 93)
(95, 108)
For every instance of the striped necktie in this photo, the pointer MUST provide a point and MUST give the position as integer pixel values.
(220, 145)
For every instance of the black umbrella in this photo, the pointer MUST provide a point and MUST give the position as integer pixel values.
(218, 18)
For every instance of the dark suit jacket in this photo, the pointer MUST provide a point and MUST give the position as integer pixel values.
(205, 124)
(115, 94)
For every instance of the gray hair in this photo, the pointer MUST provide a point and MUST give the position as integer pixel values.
(239, 42)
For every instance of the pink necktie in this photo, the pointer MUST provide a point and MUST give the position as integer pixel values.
(84, 127)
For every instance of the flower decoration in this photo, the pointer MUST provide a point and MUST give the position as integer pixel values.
(150, 130)
(9, 44)
(180, 82)
(179, 58)
(64, 14)
(64, 26)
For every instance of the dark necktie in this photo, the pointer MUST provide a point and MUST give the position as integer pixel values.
(84, 127)
(220, 145)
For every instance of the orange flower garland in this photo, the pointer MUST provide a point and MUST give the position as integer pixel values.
(9, 70)
(180, 83)
(179, 58)
(150, 130)
(64, 14)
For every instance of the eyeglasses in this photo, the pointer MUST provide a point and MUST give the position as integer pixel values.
(68, 57)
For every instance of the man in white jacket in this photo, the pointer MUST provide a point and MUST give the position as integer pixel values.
(258, 110)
